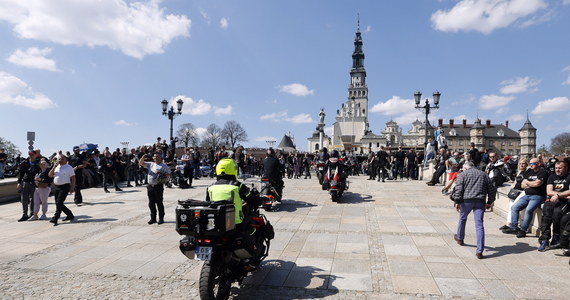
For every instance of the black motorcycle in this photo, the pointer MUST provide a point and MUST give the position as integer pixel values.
(334, 184)
(211, 236)
(270, 193)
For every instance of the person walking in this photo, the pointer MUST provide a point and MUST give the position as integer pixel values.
(26, 174)
(64, 183)
(158, 174)
(41, 194)
(473, 186)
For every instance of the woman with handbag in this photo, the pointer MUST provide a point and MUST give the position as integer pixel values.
(41, 194)
(516, 191)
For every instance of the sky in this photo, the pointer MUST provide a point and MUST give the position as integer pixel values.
(95, 71)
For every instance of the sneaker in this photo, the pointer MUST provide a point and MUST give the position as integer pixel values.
(504, 227)
(33, 218)
(43, 217)
(23, 218)
(510, 230)
(521, 233)
(69, 218)
(543, 245)
(118, 190)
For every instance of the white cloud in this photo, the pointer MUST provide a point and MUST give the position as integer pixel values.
(329, 130)
(275, 117)
(283, 116)
(494, 101)
(34, 58)
(200, 132)
(565, 70)
(517, 117)
(394, 106)
(557, 104)
(519, 85)
(459, 119)
(485, 16)
(296, 89)
(566, 2)
(368, 28)
(300, 119)
(135, 28)
(224, 23)
(124, 123)
(218, 111)
(264, 138)
(205, 16)
(190, 106)
(15, 91)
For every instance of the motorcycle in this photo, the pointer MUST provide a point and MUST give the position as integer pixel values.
(334, 185)
(320, 168)
(229, 255)
(270, 193)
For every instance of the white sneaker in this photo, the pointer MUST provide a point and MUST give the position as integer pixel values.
(43, 217)
(33, 218)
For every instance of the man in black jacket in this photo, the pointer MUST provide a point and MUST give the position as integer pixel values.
(78, 162)
(273, 169)
(441, 158)
(26, 175)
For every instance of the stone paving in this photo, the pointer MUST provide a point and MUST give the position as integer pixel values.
(390, 240)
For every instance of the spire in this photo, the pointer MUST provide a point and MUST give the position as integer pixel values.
(358, 54)
(527, 124)
(358, 22)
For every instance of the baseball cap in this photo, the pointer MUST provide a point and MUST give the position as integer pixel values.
(31, 152)
(76, 148)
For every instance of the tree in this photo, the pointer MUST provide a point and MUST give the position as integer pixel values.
(11, 149)
(234, 133)
(212, 137)
(187, 135)
(542, 149)
(559, 143)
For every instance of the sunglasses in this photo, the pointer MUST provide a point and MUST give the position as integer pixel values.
(533, 164)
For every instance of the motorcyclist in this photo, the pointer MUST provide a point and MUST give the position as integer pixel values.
(333, 163)
(228, 187)
(272, 170)
(494, 169)
(324, 155)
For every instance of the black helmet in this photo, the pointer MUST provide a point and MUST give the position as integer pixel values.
(325, 150)
(335, 153)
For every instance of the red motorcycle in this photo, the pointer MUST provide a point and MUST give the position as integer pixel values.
(335, 184)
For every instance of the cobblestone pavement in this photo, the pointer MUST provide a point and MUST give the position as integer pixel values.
(388, 240)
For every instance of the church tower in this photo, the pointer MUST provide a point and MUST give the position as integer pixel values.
(352, 119)
(528, 139)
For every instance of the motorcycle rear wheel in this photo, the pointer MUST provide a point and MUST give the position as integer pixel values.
(214, 282)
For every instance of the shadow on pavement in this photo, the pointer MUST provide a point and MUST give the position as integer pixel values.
(509, 249)
(289, 205)
(108, 202)
(355, 198)
(301, 282)
(89, 219)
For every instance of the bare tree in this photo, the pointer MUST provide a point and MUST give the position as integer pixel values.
(542, 149)
(212, 137)
(559, 143)
(234, 133)
(187, 135)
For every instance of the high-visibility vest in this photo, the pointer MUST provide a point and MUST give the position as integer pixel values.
(221, 192)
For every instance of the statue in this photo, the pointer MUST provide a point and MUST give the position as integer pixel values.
(322, 116)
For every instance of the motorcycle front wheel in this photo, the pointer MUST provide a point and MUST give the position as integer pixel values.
(215, 283)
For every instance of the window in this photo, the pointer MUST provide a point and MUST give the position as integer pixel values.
(502, 143)
(460, 143)
(510, 142)
(369, 145)
(317, 146)
(490, 143)
(501, 133)
(377, 145)
(450, 143)
(452, 132)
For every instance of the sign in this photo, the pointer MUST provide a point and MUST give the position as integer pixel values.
(31, 135)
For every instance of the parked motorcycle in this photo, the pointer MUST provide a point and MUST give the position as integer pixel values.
(320, 168)
(270, 193)
(334, 185)
(228, 253)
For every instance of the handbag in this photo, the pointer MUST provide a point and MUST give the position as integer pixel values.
(513, 193)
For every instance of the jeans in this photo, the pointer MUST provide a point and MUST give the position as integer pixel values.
(478, 209)
(155, 200)
(27, 196)
(530, 202)
(429, 157)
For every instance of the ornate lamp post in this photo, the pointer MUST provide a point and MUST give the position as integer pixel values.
(270, 143)
(426, 108)
(125, 145)
(171, 114)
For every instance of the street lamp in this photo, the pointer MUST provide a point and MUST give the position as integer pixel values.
(426, 108)
(270, 143)
(125, 145)
(171, 114)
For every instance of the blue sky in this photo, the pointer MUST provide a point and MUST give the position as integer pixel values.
(96, 70)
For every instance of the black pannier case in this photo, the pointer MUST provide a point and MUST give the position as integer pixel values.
(195, 217)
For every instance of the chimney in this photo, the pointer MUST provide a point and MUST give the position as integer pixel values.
(507, 123)
(488, 124)
(440, 123)
(464, 125)
(450, 123)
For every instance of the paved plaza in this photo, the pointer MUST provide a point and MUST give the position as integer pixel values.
(388, 240)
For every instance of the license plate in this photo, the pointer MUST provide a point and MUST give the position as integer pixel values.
(203, 253)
